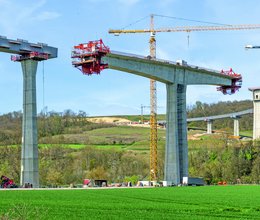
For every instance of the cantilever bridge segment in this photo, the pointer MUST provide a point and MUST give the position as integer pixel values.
(29, 54)
(94, 56)
(176, 77)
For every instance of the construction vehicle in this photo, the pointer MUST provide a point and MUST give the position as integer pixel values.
(7, 183)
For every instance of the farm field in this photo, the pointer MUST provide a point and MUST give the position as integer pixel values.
(119, 137)
(209, 202)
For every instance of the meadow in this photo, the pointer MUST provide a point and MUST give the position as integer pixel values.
(209, 202)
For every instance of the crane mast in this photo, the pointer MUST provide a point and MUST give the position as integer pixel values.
(153, 113)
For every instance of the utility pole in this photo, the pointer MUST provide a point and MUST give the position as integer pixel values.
(142, 112)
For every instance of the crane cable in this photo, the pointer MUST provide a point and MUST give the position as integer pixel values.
(175, 18)
(43, 88)
(44, 110)
(186, 19)
(135, 22)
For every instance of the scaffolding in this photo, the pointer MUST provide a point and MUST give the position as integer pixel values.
(87, 57)
(236, 82)
(30, 56)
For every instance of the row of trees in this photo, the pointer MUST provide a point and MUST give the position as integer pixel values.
(63, 166)
(49, 124)
(234, 163)
(68, 122)
(226, 160)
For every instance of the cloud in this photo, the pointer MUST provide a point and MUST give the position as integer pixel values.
(47, 15)
(162, 54)
(122, 2)
(165, 3)
(128, 3)
(22, 15)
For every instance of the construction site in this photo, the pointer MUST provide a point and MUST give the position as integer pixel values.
(94, 56)
(153, 105)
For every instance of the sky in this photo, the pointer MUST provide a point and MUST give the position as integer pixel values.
(63, 24)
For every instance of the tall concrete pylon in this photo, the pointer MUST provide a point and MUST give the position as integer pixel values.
(176, 77)
(28, 54)
(256, 103)
(176, 156)
(29, 156)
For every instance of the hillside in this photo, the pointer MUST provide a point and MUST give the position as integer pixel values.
(72, 147)
(73, 125)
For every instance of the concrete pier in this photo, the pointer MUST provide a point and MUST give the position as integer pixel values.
(236, 125)
(176, 77)
(29, 157)
(176, 150)
(209, 126)
(256, 101)
(28, 54)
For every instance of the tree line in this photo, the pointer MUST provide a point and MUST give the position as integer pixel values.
(59, 166)
(228, 160)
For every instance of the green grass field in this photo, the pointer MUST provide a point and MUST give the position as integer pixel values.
(213, 202)
(246, 133)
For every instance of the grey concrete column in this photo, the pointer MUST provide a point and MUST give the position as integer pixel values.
(209, 126)
(236, 126)
(256, 101)
(176, 152)
(29, 157)
(256, 123)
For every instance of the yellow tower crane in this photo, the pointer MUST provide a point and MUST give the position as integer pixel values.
(153, 98)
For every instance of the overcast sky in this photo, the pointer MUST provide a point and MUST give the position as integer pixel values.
(63, 24)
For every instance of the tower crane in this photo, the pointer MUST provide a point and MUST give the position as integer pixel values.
(252, 47)
(153, 98)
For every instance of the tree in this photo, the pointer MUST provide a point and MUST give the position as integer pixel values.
(54, 177)
(98, 173)
(256, 170)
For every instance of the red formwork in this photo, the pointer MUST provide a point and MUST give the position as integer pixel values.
(87, 57)
(30, 56)
(236, 82)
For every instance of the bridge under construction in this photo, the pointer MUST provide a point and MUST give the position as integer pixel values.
(94, 56)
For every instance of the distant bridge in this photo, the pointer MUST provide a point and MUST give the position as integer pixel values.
(209, 119)
(228, 115)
